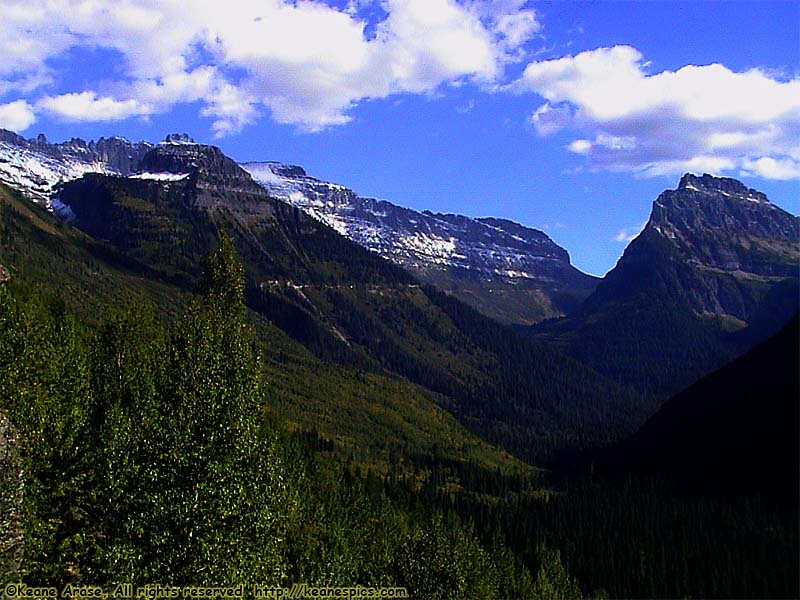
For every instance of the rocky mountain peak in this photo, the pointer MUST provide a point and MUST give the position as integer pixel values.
(528, 237)
(721, 208)
(712, 241)
(178, 138)
(190, 158)
(726, 186)
(214, 179)
(113, 155)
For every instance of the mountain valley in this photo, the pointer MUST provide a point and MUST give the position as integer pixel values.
(428, 374)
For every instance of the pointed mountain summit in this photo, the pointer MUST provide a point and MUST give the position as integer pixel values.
(715, 258)
(712, 243)
(721, 224)
(510, 272)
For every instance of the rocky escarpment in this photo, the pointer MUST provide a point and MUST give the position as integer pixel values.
(511, 272)
(213, 178)
(719, 223)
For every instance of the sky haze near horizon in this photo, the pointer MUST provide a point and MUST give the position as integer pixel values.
(570, 117)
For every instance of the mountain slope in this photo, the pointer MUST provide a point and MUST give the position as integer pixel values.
(510, 272)
(735, 430)
(367, 417)
(714, 271)
(348, 304)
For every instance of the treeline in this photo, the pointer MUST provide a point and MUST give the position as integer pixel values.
(141, 453)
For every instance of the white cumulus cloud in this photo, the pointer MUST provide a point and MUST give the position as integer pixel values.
(17, 115)
(303, 62)
(668, 122)
(86, 106)
(770, 168)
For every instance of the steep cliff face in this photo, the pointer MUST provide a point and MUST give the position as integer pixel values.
(511, 272)
(712, 243)
(213, 179)
(715, 270)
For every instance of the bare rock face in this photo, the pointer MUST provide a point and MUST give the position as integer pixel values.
(214, 179)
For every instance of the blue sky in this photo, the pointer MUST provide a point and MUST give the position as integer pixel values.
(570, 117)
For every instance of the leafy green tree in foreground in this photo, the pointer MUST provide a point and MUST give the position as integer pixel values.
(145, 457)
(217, 482)
(44, 385)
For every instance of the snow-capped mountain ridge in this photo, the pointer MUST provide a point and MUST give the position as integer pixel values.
(36, 167)
(417, 240)
(511, 272)
(482, 260)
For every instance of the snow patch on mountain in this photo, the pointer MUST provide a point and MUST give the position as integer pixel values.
(160, 176)
(35, 167)
(37, 175)
(417, 240)
(439, 250)
(262, 172)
